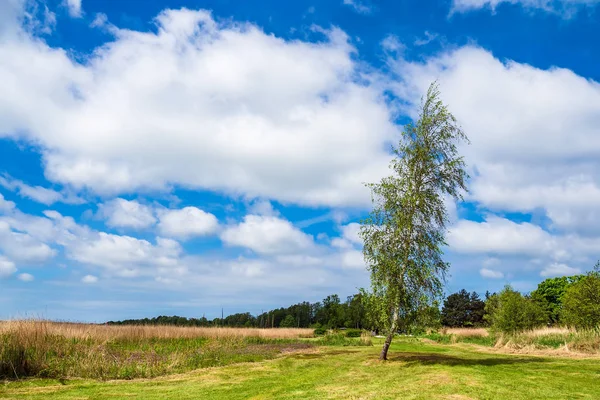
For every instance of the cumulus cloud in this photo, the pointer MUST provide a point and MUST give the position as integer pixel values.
(25, 277)
(557, 269)
(350, 237)
(187, 222)
(490, 273)
(126, 256)
(74, 8)
(126, 213)
(6, 205)
(267, 235)
(7, 267)
(89, 279)
(499, 236)
(546, 156)
(21, 246)
(37, 193)
(221, 106)
(262, 207)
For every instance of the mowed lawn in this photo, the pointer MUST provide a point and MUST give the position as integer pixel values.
(416, 370)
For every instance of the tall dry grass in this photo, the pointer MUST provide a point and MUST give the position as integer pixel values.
(34, 328)
(556, 338)
(54, 349)
(466, 332)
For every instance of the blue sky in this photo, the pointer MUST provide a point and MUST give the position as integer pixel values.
(177, 157)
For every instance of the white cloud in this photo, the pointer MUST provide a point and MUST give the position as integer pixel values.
(546, 156)
(100, 20)
(262, 207)
(504, 239)
(490, 262)
(429, 37)
(359, 6)
(205, 105)
(74, 7)
(21, 246)
(6, 205)
(25, 277)
(187, 222)
(499, 236)
(27, 238)
(7, 267)
(37, 193)
(565, 7)
(89, 279)
(350, 237)
(353, 259)
(557, 269)
(490, 273)
(267, 235)
(351, 232)
(126, 256)
(126, 213)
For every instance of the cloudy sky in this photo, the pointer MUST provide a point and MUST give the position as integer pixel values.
(180, 156)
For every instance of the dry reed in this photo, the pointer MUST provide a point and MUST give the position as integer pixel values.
(141, 332)
(57, 349)
(466, 332)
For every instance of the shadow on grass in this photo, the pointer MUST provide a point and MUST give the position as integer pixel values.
(444, 359)
(309, 356)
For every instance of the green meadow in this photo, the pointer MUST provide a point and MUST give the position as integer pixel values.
(417, 369)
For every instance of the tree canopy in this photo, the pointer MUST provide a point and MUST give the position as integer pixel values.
(581, 301)
(463, 309)
(405, 232)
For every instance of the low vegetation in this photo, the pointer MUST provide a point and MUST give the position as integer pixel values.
(60, 350)
(567, 340)
(414, 370)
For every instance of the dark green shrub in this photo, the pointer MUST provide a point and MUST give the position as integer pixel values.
(581, 303)
(353, 332)
(320, 331)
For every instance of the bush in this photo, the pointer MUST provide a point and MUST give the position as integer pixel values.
(511, 312)
(288, 322)
(353, 333)
(320, 331)
(581, 303)
(339, 339)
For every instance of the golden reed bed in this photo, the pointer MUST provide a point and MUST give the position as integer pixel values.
(107, 332)
(483, 332)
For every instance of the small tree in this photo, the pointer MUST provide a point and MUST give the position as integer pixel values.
(456, 309)
(511, 312)
(549, 294)
(288, 322)
(462, 309)
(404, 234)
(581, 302)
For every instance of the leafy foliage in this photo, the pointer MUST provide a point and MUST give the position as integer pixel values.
(288, 322)
(462, 309)
(581, 302)
(550, 292)
(404, 234)
(511, 312)
(353, 332)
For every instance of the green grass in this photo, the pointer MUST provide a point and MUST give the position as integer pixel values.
(55, 356)
(416, 370)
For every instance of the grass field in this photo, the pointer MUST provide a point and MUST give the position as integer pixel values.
(416, 370)
(62, 350)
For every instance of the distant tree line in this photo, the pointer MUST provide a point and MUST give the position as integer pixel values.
(329, 313)
(571, 301)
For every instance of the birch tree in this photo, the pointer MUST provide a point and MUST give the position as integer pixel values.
(404, 234)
